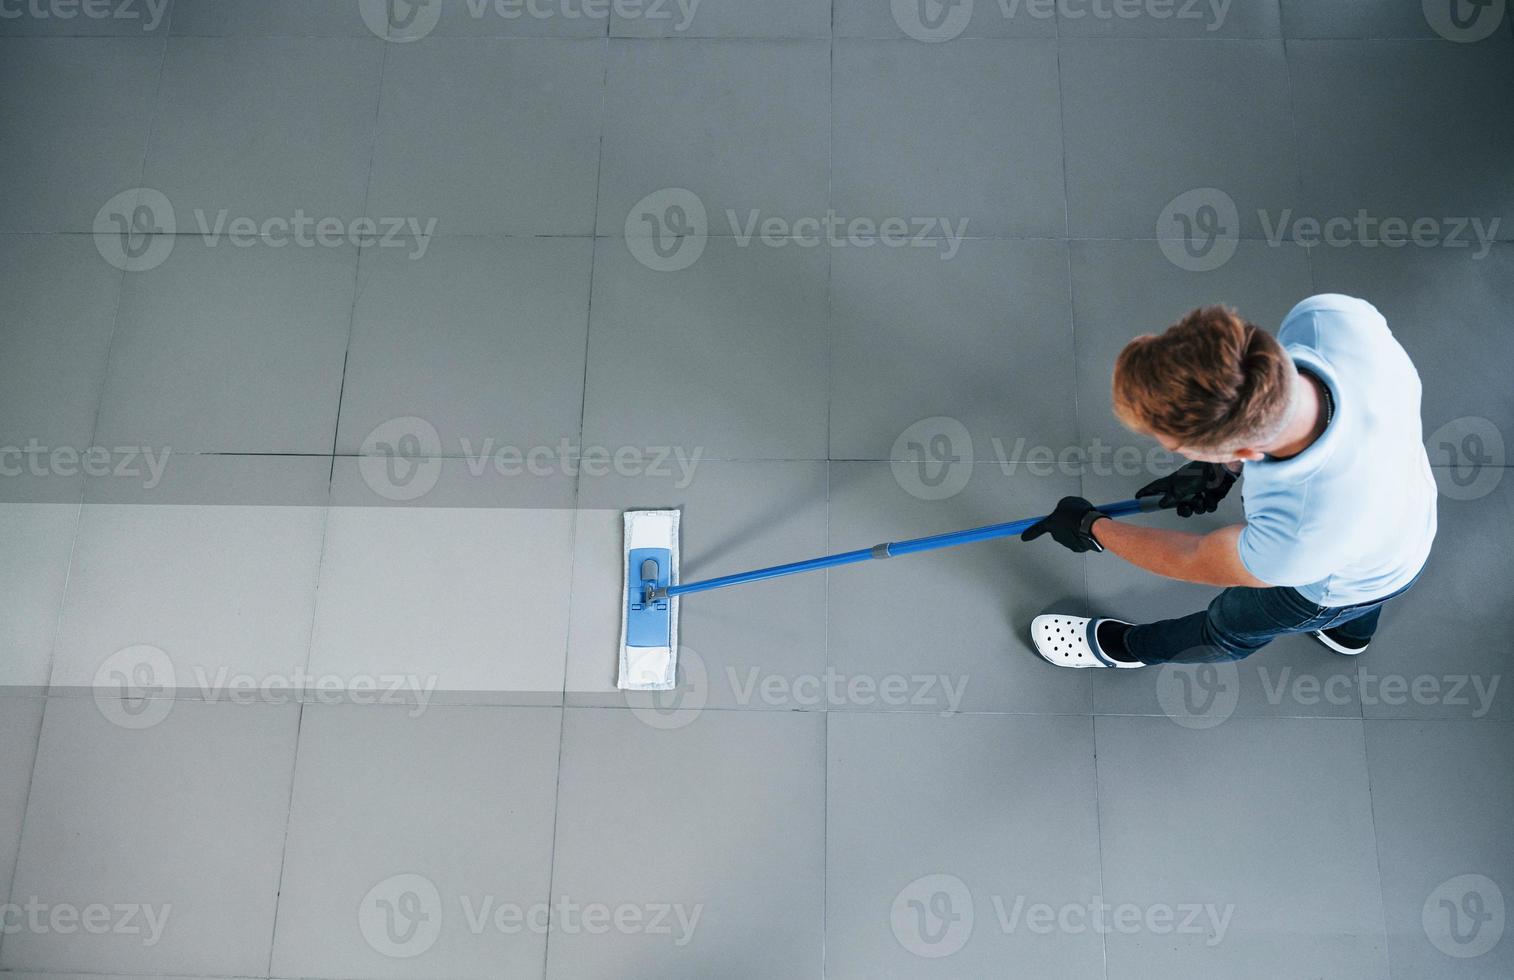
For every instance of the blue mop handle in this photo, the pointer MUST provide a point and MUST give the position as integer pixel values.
(894, 548)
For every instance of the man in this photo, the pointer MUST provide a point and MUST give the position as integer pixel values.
(1339, 498)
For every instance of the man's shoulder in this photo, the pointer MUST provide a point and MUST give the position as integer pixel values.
(1332, 314)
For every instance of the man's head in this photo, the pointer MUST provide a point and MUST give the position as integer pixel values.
(1213, 387)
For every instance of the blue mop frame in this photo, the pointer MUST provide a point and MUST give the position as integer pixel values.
(651, 593)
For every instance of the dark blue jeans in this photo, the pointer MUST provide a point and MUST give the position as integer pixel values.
(1240, 621)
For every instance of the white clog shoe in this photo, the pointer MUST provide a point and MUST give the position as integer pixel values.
(1068, 641)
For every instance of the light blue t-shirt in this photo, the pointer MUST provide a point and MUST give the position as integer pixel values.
(1351, 518)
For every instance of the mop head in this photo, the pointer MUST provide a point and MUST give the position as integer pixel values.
(649, 630)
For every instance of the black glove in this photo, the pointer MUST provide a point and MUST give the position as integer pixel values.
(1196, 488)
(1071, 525)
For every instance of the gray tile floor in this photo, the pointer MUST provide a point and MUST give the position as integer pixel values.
(413, 299)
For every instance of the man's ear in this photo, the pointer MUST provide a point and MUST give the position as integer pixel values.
(1250, 455)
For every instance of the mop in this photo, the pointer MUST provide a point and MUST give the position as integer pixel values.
(649, 614)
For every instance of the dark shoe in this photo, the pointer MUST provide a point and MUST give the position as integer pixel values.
(1348, 645)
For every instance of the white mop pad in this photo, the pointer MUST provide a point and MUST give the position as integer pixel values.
(652, 664)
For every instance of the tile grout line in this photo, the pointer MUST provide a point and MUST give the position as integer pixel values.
(871, 239)
(26, 804)
(73, 549)
(1072, 327)
(357, 265)
(1098, 831)
(825, 840)
(562, 730)
(278, 895)
(1072, 319)
(320, 563)
(1298, 160)
(830, 262)
(583, 406)
(830, 395)
(1377, 850)
(702, 459)
(115, 322)
(300, 719)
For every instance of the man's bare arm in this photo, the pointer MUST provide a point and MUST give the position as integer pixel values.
(1208, 559)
